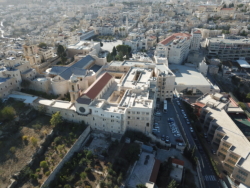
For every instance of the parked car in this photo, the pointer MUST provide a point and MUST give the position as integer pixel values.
(179, 140)
(158, 114)
(162, 137)
(205, 135)
(213, 151)
(191, 129)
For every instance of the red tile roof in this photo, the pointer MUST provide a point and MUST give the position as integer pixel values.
(177, 161)
(197, 31)
(97, 86)
(199, 104)
(155, 171)
(175, 36)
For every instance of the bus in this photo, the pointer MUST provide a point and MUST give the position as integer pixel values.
(165, 106)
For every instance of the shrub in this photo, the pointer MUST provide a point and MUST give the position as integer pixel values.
(43, 164)
(88, 170)
(47, 173)
(8, 113)
(33, 141)
(37, 126)
(67, 186)
(33, 176)
(38, 170)
(57, 140)
(83, 175)
(25, 138)
(13, 149)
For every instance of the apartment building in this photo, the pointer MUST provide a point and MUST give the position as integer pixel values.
(196, 39)
(137, 44)
(228, 48)
(46, 53)
(233, 148)
(174, 47)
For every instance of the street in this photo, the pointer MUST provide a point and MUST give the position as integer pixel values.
(209, 177)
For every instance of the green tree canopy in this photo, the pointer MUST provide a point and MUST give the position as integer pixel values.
(44, 164)
(242, 105)
(8, 113)
(141, 186)
(62, 54)
(114, 51)
(132, 153)
(172, 184)
(42, 45)
(56, 119)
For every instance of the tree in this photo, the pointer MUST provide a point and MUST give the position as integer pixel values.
(42, 45)
(8, 113)
(83, 175)
(44, 164)
(61, 53)
(67, 186)
(42, 109)
(172, 184)
(248, 97)
(242, 105)
(56, 119)
(141, 186)
(101, 44)
(114, 52)
(132, 153)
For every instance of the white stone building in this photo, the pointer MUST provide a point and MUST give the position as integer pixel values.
(196, 39)
(174, 47)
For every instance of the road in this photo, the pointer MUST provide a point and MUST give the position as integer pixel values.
(209, 177)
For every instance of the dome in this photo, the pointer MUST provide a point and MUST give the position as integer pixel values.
(73, 78)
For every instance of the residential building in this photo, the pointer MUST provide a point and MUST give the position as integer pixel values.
(233, 148)
(174, 47)
(196, 39)
(228, 48)
(137, 44)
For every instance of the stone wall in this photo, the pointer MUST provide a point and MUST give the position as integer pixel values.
(78, 144)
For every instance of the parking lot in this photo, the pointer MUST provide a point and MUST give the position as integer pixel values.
(167, 124)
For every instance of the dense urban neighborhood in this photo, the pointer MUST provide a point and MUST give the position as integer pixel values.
(124, 94)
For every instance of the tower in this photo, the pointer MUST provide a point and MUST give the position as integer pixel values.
(126, 23)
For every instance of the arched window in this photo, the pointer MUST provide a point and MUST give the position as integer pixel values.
(73, 89)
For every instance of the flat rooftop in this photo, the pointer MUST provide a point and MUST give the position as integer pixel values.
(142, 170)
(241, 145)
(229, 41)
(137, 77)
(210, 99)
(130, 63)
(186, 75)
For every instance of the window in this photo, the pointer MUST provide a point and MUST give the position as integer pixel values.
(219, 135)
(128, 112)
(147, 124)
(93, 118)
(138, 118)
(226, 145)
(138, 112)
(223, 149)
(231, 161)
(229, 166)
(103, 125)
(243, 173)
(112, 116)
(128, 122)
(112, 120)
(128, 117)
(133, 112)
(147, 113)
(72, 115)
(233, 156)
(240, 178)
